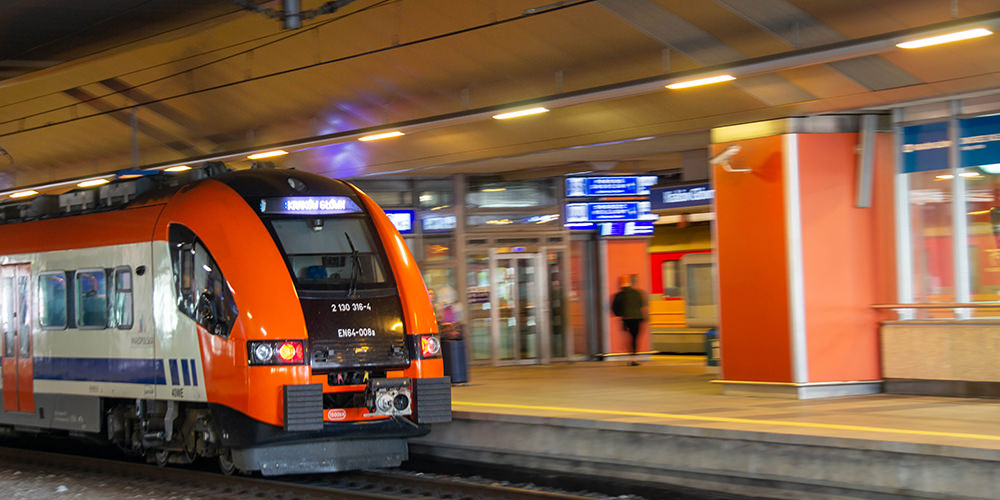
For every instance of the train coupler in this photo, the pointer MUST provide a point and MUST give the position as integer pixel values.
(388, 397)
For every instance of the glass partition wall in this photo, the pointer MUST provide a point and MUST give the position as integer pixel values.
(948, 207)
(495, 262)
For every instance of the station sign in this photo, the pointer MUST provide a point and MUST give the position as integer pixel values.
(635, 185)
(979, 143)
(634, 228)
(608, 212)
(925, 147)
(630, 228)
(691, 195)
(402, 219)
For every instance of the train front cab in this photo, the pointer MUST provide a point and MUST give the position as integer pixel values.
(317, 338)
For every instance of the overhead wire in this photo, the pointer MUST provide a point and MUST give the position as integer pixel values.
(186, 70)
(276, 73)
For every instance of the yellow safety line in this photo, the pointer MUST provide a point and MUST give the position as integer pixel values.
(733, 420)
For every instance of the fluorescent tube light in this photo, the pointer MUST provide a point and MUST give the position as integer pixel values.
(178, 168)
(267, 154)
(520, 113)
(24, 194)
(701, 81)
(946, 38)
(92, 183)
(382, 135)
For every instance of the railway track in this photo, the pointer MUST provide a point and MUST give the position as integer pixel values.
(377, 485)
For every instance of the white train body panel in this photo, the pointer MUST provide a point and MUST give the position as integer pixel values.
(165, 345)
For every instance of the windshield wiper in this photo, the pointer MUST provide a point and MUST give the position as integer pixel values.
(356, 270)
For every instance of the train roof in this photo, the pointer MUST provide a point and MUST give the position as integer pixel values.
(158, 188)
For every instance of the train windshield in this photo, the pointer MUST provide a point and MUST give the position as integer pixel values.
(332, 253)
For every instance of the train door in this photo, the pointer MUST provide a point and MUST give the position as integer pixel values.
(17, 368)
(697, 283)
(519, 308)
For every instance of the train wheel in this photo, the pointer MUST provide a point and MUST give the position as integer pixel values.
(226, 462)
(162, 457)
(189, 456)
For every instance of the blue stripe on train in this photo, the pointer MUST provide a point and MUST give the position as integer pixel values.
(173, 372)
(129, 371)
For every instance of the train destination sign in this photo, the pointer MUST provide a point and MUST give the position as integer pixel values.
(578, 187)
(691, 195)
(608, 211)
(309, 205)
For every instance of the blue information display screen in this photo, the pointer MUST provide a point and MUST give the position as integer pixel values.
(579, 187)
(309, 205)
(608, 211)
(632, 228)
(402, 219)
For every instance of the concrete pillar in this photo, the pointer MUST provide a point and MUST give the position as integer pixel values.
(799, 263)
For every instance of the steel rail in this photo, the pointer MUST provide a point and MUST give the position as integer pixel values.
(361, 485)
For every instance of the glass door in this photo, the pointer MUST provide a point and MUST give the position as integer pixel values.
(518, 307)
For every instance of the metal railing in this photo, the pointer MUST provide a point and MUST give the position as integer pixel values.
(960, 310)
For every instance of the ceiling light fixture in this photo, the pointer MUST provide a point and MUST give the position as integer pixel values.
(178, 168)
(946, 38)
(24, 194)
(93, 182)
(944, 177)
(522, 112)
(701, 81)
(382, 135)
(267, 154)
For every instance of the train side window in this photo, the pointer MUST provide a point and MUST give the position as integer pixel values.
(122, 301)
(671, 278)
(91, 299)
(203, 294)
(52, 300)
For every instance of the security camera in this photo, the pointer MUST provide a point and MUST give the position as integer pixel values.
(724, 157)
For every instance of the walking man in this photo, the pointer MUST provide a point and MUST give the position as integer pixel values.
(630, 304)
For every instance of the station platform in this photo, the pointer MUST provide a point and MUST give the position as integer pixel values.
(666, 422)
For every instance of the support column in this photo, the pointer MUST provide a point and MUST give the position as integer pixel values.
(799, 263)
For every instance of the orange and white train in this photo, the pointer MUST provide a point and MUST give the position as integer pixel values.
(274, 319)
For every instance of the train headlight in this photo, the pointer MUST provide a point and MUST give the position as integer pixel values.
(263, 353)
(276, 352)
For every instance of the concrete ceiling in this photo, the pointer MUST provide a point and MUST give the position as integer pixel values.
(121, 83)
